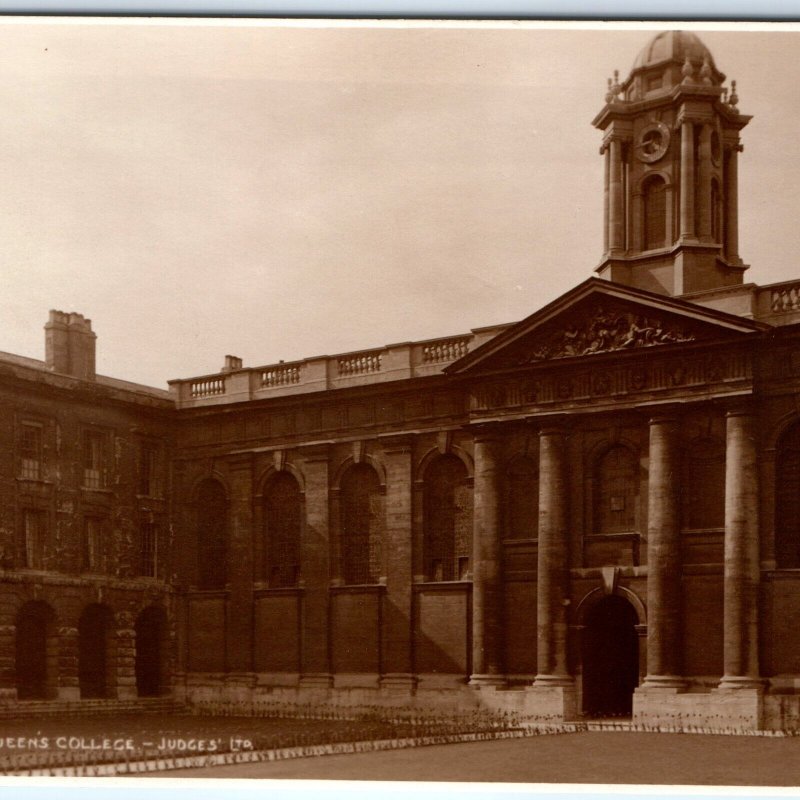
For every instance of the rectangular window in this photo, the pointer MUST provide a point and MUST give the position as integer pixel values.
(93, 460)
(34, 531)
(30, 450)
(148, 461)
(92, 545)
(148, 549)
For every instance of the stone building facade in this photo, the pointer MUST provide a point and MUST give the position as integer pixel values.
(592, 511)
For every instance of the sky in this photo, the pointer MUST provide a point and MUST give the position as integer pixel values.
(279, 191)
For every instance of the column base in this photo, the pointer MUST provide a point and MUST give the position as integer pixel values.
(477, 680)
(69, 693)
(316, 680)
(399, 682)
(546, 681)
(672, 683)
(552, 702)
(738, 683)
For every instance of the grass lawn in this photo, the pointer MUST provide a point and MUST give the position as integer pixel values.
(607, 757)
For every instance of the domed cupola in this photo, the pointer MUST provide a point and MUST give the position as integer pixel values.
(666, 61)
(671, 144)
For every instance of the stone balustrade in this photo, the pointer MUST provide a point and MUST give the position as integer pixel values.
(377, 365)
(785, 298)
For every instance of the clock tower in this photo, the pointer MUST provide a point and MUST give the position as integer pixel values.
(671, 144)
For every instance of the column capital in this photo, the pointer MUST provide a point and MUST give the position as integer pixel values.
(486, 431)
(662, 413)
(551, 425)
(741, 408)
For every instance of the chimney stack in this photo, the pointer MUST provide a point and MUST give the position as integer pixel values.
(232, 364)
(70, 345)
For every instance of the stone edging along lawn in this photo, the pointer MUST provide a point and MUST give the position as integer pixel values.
(165, 763)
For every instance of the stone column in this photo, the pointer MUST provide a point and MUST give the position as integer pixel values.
(239, 613)
(315, 669)
(704, 183)
(397, 608)
(68, 683)
(617, 219)
(663, 558)
(123, 685)
(687, 180)
(606, 152)
(8, 675)
(732, 204)
(486, 589)
(740, 626)
(551, 641)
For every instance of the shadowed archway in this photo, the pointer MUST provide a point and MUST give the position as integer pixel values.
(610, 654)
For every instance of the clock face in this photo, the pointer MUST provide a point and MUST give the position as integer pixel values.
(653, 142)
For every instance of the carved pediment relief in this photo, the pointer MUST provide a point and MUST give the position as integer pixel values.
(603, 330)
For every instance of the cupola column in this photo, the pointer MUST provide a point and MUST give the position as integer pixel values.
(732, 204)
(687, 180)
(617, 218)
(606, 209)
(704, 183)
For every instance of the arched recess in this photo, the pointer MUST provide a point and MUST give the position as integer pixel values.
(655, 203)
(609, 656)
(447, 519)
(36, 652)
(361, 525)
(211, 526)
(152, 652)
(787, 499)
(96, 659)
(282, 505)
(615, 495)
(703, 484)
(522, 498)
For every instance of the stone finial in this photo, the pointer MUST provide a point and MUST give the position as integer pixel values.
(609, 93)
(705, 72)
(734, 98)
(687, 71)
(616, 88)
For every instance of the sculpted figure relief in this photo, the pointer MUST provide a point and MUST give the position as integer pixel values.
(603, 332)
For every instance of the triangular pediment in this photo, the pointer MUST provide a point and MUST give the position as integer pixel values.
(598, 317)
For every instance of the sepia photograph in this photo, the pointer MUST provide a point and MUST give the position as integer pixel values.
(391, 400)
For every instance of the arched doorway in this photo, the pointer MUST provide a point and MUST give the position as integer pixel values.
(94, 631)
(151, 633)
(610, 658)
(35, 652)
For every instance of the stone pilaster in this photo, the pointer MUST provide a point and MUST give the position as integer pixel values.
(552, 588)
(8, 675)
(687, 203)
(663, 558)
(486, 587)
(704, 183)
(616, 224)
(397, 600)
(68, 684)
(315, 666)
(740, 626)
(123, 659)
(239, 614)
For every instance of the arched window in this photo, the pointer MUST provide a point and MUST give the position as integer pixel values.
(654, 217)
(361, 524)
(703, 486)
(787, 497)
(522, 499)
(616, 491)
(716, 212)
(282, 515)
(447, 512)
(212, 535)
